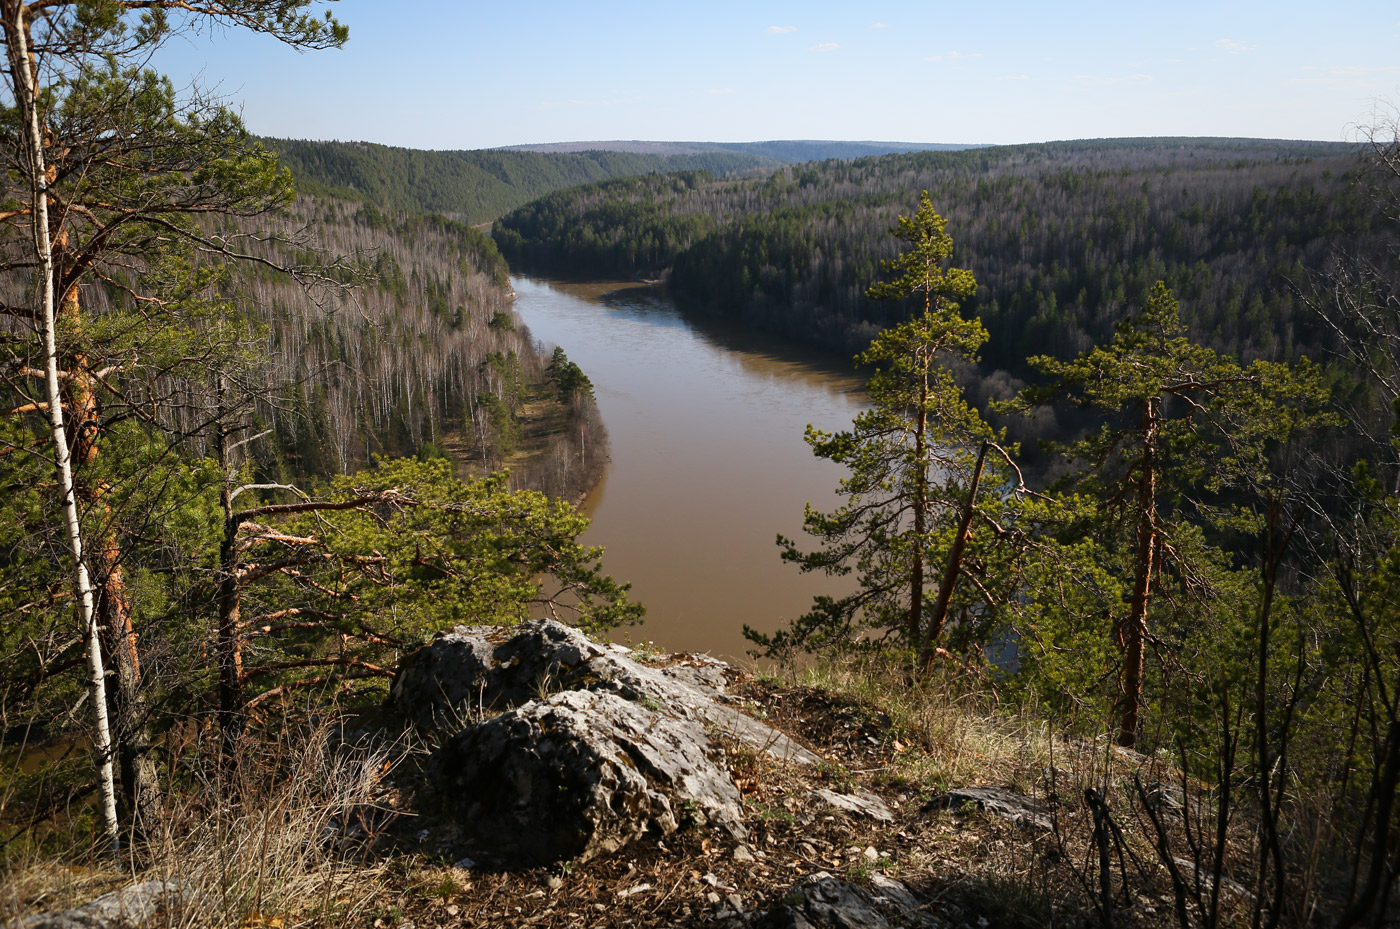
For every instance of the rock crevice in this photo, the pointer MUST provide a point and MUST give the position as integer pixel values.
(590, 750)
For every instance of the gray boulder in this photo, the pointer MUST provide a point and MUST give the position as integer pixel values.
(994, 801)
(826, 902)
(862, 804)
(461, 673)
(576, 776)
(145, 904)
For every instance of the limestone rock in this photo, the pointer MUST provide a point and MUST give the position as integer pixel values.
(996, 801)
(825, 902)
(861, 804)
(579, 775)
(145, 904)
(459, 673)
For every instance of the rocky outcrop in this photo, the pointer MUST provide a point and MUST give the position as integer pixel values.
(471, 669)
(593, 750)
(577, 776)
(146, 904)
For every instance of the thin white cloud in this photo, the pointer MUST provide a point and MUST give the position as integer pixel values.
(953, 56)
(1233, 47)
(880, 26)
(779, 30)
(1110, 80)
(824, 47)
(1354, 77)
(719, 91)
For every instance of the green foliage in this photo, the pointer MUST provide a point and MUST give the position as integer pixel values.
(460, 551)
(919, 270)
(504, 430)
(621, 227)
(910, 457)
(569, 381)
(1183, 427)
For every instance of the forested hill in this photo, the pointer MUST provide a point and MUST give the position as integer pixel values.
(424, 357)
(475, 186)
(1063, 238)
(791, 151)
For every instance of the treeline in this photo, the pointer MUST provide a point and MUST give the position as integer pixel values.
(791, 151)
(418, 353)
(475, 186)
(1065, 239)
(618, 228)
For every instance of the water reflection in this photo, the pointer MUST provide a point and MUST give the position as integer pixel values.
(706, 421)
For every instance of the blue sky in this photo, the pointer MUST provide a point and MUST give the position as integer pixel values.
(446, 74)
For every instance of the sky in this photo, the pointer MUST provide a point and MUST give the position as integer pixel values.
(454, 74)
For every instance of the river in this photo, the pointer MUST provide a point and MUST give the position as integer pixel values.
(706, 423)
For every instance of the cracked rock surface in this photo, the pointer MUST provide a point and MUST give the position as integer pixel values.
(618, 751)
(145, 904)
(474, 668)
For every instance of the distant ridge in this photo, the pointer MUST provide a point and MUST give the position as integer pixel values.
(478, 186)
(791, 151)
(481, 185)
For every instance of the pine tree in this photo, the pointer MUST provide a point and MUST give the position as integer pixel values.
(1182, 424)
(915, 460)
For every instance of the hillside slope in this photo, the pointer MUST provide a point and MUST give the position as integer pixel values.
(475, 186)
(1063, 238)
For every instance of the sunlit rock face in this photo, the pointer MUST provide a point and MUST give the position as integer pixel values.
(590, 750)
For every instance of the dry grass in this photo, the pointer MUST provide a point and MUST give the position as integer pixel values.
(947, 732)
(275, 846)
(956, 733)
(309, 844)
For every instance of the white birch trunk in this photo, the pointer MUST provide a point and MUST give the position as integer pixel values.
(26, 99)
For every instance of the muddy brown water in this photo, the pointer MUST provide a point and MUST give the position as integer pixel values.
(708, 460)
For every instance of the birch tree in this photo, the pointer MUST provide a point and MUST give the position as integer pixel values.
(106, 170)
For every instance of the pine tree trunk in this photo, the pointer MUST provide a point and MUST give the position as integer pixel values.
(919, 505)
(230, 640)
(22, 76)
(1135, 626)
(954, 563)
(126, 709)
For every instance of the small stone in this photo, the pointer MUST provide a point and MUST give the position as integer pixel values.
(871, 853)
(742, 853)
(711, 880)
(555, 882)
(453, 909)
(713, 897)
(736, 902)
(465, 863)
